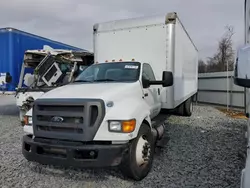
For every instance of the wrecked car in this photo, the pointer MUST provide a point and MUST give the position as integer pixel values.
(44, 70)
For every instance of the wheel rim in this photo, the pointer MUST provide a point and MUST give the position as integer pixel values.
(142, 151)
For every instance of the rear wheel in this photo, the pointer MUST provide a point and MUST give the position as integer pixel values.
(180, 109)
(137, 161)
(188, 107)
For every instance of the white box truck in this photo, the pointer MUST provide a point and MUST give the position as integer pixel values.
(108, 116)
(242, 79)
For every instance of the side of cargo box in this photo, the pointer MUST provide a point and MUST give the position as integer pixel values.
(182, 55)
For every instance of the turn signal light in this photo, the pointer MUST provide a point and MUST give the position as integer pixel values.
(128, 126)
(26, 120)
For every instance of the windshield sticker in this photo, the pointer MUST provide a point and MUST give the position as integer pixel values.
(131, 67)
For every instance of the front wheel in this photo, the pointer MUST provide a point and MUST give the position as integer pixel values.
(137, 161)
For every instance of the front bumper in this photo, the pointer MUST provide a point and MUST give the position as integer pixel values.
(75, 154)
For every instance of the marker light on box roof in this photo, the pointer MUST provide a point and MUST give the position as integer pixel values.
(113, 60)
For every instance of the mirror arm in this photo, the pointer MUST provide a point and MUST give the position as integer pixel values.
(156, 82)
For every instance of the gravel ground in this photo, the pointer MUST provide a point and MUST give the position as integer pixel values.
(203, 151)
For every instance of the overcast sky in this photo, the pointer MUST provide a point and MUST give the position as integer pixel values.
(71, 21)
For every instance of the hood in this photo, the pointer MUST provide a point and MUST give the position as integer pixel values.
(105, 91)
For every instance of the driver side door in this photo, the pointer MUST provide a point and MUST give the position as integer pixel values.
(152, 93)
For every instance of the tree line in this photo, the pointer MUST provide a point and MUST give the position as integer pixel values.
(224, 57)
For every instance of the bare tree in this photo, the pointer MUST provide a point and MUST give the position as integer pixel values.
(201, 66)
(225, 50)
(224, 55)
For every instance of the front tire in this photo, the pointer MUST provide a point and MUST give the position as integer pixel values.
(137, 161)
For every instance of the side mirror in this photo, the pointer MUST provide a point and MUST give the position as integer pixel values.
(167, 79)
(145, 83)
(8, 78)
(242, 68)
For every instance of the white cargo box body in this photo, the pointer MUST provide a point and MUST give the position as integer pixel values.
(160, 41)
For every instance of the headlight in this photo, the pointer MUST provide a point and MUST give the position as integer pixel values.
(115, 126)
(28, 120)
(123, 126)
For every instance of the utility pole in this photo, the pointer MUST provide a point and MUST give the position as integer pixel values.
(227, 87)
(246, 40)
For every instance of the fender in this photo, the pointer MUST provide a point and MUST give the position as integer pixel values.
(131, 108)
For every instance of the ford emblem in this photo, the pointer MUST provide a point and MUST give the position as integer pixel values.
(57, 119)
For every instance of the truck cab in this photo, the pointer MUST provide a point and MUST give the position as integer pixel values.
(106, 111)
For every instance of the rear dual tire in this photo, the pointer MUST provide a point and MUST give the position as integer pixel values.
(186, 108)
(138, 159)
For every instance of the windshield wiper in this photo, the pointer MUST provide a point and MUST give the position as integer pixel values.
(105, 80)
(82, 81)
(100, 80)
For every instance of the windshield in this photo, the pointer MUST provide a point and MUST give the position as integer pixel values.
(116, 71)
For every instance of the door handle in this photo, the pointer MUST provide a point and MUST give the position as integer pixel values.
(159, 92)
(146, 94)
